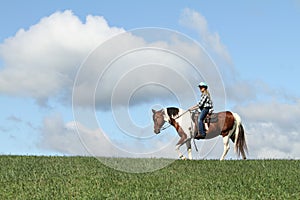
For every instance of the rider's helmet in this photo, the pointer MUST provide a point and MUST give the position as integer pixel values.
(203, 85)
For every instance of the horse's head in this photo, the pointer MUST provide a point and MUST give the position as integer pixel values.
(158, 119)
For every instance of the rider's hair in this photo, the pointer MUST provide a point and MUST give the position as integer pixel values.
(206, 92)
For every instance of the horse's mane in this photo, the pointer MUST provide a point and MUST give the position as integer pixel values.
(172, 111)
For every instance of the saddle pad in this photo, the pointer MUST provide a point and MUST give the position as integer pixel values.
(213, 118)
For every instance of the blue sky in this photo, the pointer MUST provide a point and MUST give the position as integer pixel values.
(255, 44)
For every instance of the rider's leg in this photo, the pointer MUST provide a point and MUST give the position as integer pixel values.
(202, 116)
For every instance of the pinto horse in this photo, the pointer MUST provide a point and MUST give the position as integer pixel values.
(227, 124)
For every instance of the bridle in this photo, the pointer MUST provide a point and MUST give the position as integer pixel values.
(156, 123)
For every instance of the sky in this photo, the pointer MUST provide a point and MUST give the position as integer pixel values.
(81, 78)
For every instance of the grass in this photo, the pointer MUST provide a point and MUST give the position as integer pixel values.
(38, 177)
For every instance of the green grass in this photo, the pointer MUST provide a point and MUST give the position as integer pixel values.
(35, 177)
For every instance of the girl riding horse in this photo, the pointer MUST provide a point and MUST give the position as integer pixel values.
(206, 106)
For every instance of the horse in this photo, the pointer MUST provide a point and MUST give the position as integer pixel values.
(226, 123)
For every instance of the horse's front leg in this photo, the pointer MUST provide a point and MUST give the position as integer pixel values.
(182, 140)
(189, 148)
(181, 156)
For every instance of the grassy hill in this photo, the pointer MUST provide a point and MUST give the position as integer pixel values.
(38, 177)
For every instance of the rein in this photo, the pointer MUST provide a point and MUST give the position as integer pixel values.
(164, 128)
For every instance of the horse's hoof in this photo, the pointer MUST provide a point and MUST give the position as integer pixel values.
(199, 136)
(182, 157)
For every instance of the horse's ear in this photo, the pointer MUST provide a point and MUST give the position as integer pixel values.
(153, 111)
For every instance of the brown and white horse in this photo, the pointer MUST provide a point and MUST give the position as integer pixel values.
(228, 124)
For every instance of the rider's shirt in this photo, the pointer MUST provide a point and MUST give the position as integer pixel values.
(205, 102)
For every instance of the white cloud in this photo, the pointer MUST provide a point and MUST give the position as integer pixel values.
(196, 21)
(74, 138)
(167, 63)
(283, 114)
(236, 89)
(41, 62)
(56, 136)
(272, 129)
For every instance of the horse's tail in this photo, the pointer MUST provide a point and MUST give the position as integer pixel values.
(240, 138)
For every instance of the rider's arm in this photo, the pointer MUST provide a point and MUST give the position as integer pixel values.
(195, 107)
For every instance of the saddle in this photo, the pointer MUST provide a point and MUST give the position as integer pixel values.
(210, 118)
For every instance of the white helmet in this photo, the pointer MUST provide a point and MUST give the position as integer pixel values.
(203, 84)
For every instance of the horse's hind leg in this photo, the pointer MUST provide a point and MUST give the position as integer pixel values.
(226, 146)
(244, 156)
